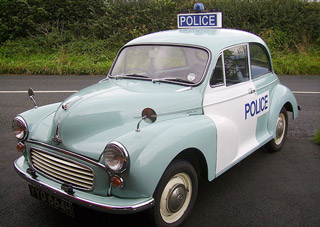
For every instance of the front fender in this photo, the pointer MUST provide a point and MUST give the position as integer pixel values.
(155, 146)
(39, 121)
(281, 96)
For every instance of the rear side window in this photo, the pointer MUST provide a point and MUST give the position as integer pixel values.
(259, 59)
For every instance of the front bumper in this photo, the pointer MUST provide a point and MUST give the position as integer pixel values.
(109, 204)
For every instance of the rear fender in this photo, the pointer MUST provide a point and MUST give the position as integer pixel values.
(281, 96)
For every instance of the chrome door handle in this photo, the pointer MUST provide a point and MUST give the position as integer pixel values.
(251, 91)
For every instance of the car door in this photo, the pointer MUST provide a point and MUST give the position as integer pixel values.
(232, 103)
(264, 80)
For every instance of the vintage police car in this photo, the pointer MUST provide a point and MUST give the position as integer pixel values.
(176, 105)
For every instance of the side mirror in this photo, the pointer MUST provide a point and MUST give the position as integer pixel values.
(30, 92)
(148, 115)
(31, 96)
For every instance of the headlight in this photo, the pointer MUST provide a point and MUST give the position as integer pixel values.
(116, 157)
(19, 127)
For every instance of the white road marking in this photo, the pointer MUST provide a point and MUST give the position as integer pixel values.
(74, 91)
(306, 92)
(18, 92)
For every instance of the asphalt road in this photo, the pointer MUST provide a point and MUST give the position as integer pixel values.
(280, 189)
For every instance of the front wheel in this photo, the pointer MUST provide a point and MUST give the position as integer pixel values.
(281, 132)
(175, 194)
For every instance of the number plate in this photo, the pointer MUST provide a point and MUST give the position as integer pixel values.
(54, 201)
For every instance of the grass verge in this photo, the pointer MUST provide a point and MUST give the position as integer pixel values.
(317, 137)
(301, 63)
(94, 57)
(55, 64)
(38, 56)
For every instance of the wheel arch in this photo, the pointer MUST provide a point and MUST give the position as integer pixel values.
(196, 158)
(281, 96)
(289, 107)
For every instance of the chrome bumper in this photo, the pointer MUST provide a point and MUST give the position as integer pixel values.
(100, 203)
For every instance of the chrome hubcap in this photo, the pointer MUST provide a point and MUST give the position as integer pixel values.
(280, 129)
(177, 197)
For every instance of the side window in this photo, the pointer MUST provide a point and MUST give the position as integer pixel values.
(236, 64)
(259, 59)
(217, 75)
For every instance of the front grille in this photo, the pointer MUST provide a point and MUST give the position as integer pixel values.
(63, 170)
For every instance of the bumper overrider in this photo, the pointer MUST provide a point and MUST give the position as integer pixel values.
(109, 204)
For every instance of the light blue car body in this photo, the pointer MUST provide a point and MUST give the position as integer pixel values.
(111, 109)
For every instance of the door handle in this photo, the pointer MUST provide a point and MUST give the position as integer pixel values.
(251, 91)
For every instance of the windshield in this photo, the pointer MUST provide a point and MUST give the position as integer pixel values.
(175, 64)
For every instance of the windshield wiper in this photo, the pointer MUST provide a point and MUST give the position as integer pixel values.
(130, 75)
(173, 80)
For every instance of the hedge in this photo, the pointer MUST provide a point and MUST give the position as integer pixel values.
(287, 23)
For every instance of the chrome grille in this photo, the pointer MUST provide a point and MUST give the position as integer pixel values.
(64, 170)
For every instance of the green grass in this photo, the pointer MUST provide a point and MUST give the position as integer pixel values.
(36, 56)
(317, 137)
(301, 63)
(55, 64)
(94, 57)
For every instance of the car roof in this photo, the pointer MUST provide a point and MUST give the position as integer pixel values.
(213, 39)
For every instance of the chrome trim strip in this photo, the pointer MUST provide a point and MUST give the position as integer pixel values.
(68, 153)
(184, 89)
(187, 111)
(85, 202)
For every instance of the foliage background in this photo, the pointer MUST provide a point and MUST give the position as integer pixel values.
(82, 36)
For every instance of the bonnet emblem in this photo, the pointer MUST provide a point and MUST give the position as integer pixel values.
(56, 138)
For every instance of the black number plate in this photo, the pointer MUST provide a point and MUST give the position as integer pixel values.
(54, 201)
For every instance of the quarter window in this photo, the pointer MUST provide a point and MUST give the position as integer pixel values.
(217, 75)
(260, 62)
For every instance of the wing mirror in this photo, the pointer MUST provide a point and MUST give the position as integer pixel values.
(148, 115)
(31, 96)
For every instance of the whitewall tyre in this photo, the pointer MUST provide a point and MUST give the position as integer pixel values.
(175, 194)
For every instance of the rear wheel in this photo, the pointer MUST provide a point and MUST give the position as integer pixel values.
(281, 132)
(175, 194)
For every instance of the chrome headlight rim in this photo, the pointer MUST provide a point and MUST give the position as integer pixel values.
(116, 149)
(23, 133)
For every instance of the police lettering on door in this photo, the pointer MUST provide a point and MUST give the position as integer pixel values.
(258, 106)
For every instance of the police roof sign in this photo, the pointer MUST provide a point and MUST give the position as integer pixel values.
(200, 20)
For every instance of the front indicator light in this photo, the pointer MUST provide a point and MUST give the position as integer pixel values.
(117, 182)
(20, 147)
(19, 127)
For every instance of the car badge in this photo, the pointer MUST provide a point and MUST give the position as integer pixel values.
(56, 138)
